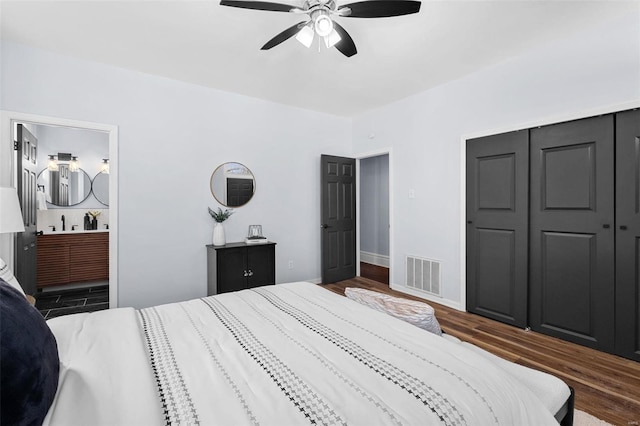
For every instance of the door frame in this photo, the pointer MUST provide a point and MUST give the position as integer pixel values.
(558, 118)
(358, 157)
(8, 176)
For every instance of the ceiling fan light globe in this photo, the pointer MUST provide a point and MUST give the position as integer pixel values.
(323, 25)
(305, 36)
(332, 39)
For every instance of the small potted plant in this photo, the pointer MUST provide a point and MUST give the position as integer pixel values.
(218, 230)
(94, 222)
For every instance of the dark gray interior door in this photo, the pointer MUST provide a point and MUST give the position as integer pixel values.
(497, 215)
(572, 231)
(26, 249)
(628, 234)
(338, 218)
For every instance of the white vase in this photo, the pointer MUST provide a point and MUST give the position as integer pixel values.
(218, 235)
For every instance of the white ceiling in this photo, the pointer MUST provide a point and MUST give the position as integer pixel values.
(211, 45)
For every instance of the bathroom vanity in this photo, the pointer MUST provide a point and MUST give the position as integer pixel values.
(71, 257)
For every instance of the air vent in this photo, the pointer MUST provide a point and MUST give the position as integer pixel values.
(424, 275)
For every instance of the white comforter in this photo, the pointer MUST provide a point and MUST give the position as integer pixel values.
(288, 354)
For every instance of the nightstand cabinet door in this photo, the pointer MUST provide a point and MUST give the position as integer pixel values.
(238, 266)
(231, 266)
(261, 260)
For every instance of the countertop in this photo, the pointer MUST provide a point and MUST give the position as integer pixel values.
(77, 231)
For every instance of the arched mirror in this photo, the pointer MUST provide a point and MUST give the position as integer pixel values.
(100, 188)
(232, 184)
(63, 187)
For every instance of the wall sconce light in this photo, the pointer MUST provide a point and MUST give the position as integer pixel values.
(74, 165)
(53, 164)
(65, 158)
(105, 166)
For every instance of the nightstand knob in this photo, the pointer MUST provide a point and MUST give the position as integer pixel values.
(250, 272)
(245, 274)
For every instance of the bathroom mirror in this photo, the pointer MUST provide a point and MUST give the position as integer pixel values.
(63, 187)
(100, 188)
(232, 184)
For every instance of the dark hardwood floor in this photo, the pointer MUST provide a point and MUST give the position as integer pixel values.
(374, 272)
(606, 386)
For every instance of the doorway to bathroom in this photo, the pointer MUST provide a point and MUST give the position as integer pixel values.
(75, 197)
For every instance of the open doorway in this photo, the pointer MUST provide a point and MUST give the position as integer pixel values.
(374, 214)
(72, 227)
(70, 196)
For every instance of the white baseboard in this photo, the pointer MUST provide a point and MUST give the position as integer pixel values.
(374, 259)
(308, 280)
(446, 302)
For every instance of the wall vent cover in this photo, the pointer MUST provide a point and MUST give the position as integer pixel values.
(424, 275)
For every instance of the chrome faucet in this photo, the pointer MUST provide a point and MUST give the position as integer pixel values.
(63, 223)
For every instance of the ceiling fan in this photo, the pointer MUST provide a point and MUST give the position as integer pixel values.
(319, 19)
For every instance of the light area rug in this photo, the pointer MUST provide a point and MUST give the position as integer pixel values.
(580, 418)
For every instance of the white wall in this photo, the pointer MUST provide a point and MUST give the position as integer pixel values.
(172, 136)
(589, 72)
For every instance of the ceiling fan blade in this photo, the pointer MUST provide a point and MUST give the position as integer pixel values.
(381, 8)
(258, 5)
(346, 46)
(285, 35)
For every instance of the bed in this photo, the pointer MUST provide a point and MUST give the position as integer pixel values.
(288, 354)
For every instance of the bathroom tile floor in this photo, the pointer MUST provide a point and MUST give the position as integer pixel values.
(63, 302)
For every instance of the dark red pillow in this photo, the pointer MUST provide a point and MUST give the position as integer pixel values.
(29, 363)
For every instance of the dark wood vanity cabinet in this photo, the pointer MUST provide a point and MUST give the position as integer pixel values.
(238, 266)
(72, 258)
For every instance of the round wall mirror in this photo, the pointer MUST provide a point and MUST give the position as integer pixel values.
(232, 184)
(100, 188)
(63, 187)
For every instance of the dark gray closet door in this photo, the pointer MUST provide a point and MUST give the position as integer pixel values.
(497, 212)
(572, 231)
(628, 234)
